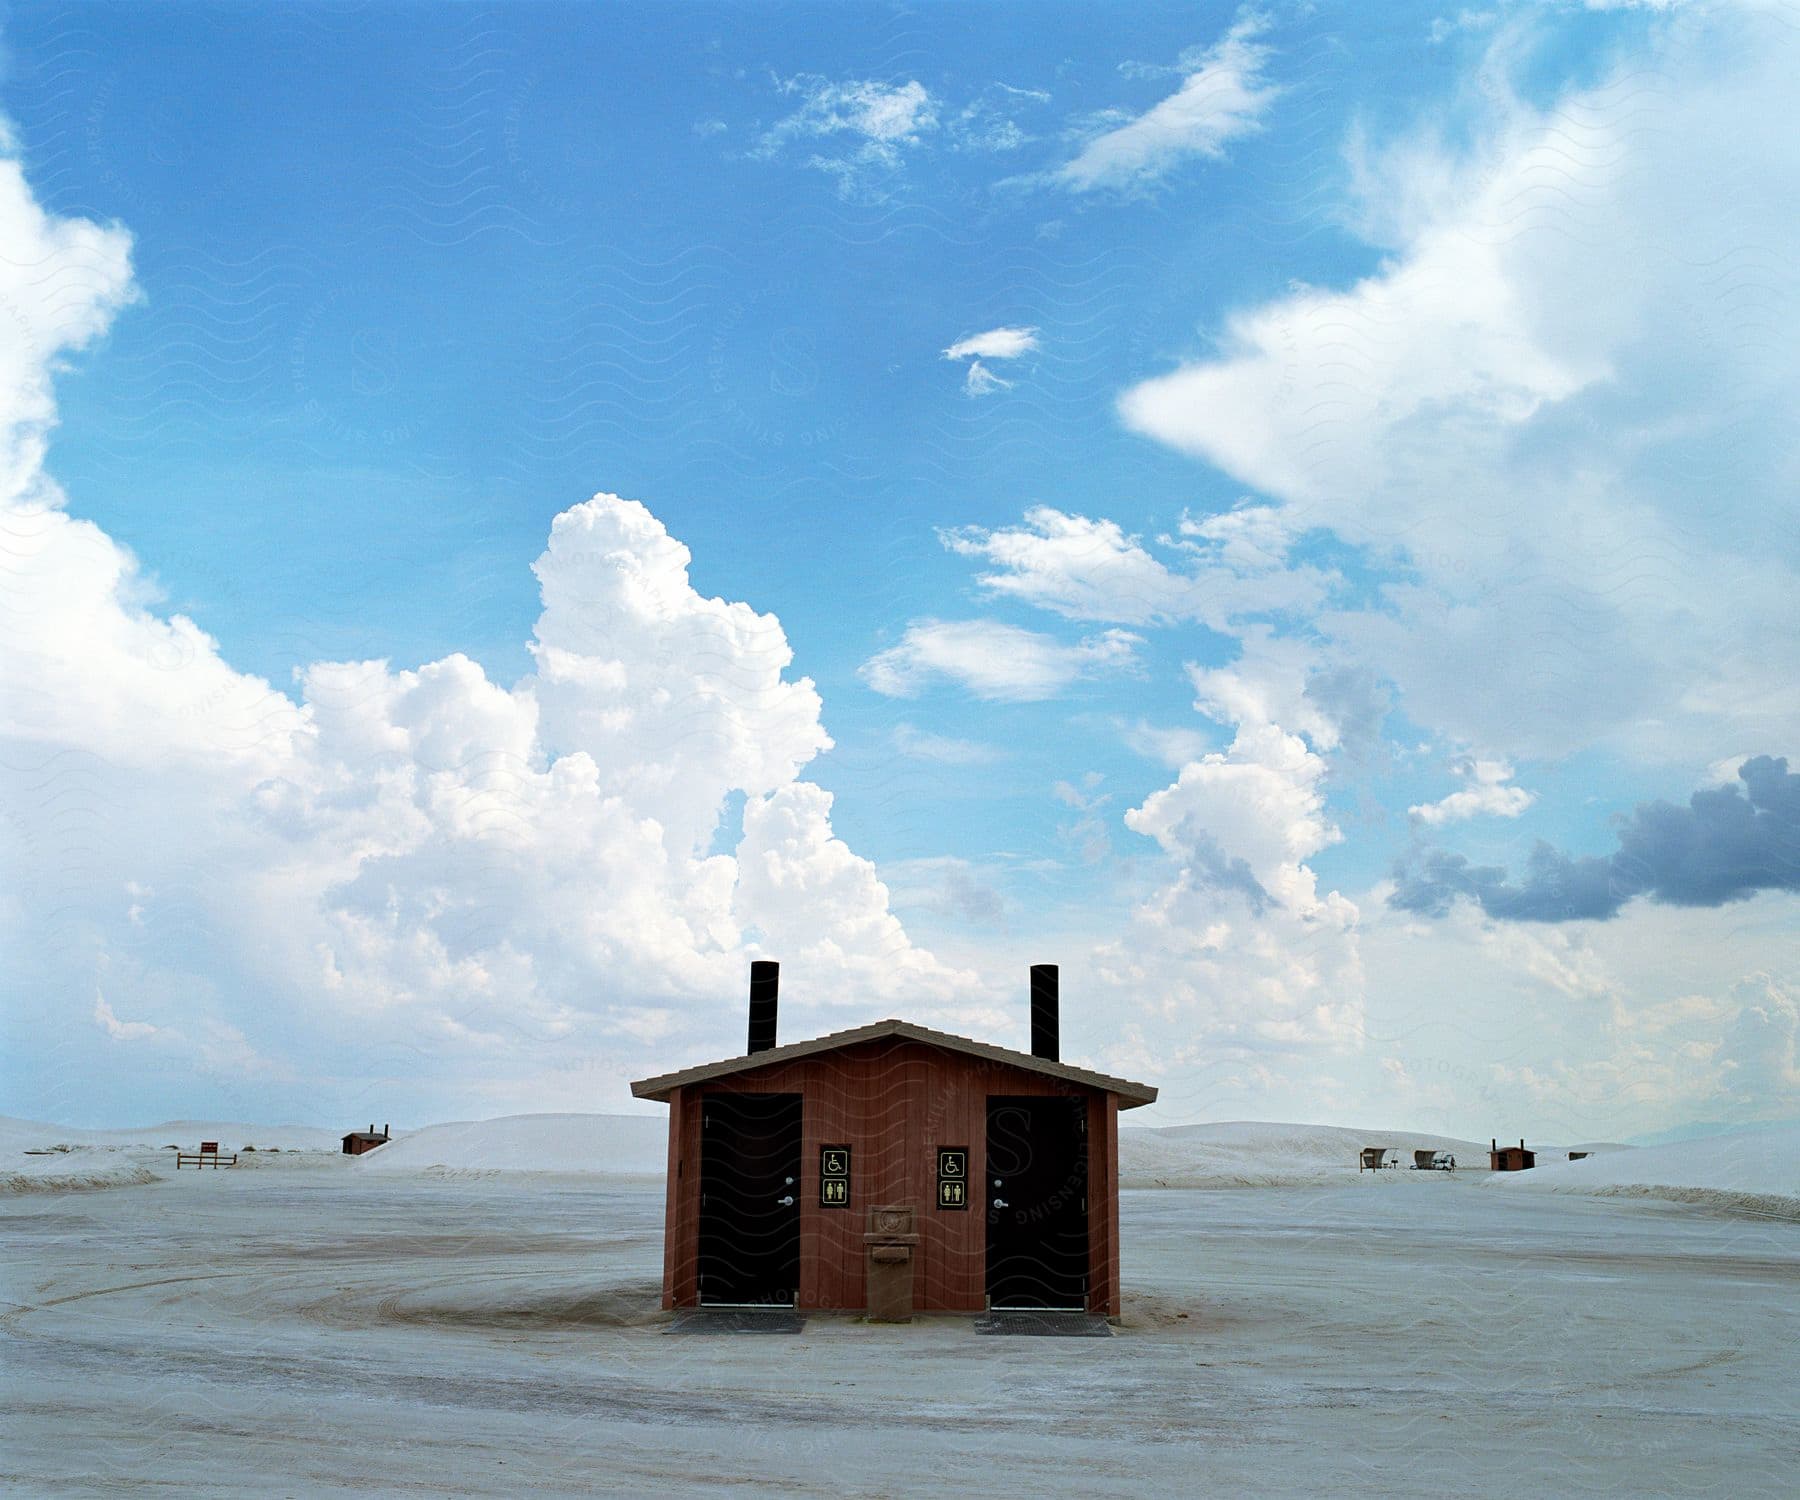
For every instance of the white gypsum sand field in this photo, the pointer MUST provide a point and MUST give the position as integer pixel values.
(443, 1322)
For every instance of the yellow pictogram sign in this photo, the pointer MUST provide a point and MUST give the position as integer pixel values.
(953, 1175)
(834, 1176)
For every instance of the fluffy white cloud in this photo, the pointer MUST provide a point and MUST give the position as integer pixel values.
(996, 343)
(1485, 793)
(416, 874)
(1267, 684)
(1609, 439)
(1222, 97)
(1238, 955)
(425, 860)
(1250, 816)
(1247, 538)
(811, 899)
(992, 660)
(1449, 326)
(1087, 570)
(498, 879)
(61, 280)
(678, 698)
(1093, 570)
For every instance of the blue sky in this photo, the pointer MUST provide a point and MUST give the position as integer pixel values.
(1348, 410)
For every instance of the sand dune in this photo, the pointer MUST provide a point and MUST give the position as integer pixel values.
(232, 1135)
(603, 1145)
(1757, 1171)
(1257, 1153)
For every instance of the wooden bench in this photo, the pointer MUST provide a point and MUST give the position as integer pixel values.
(206, 1156)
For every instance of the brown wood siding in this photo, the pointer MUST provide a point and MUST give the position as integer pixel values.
(672, 1241)
(1103, 1202)
(893, 1102)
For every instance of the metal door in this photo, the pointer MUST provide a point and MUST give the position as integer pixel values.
(750, 1199)
(1036, 1196)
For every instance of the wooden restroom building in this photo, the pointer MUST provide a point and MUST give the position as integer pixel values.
(1008, 1159)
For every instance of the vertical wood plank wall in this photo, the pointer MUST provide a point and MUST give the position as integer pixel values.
(893, 1102)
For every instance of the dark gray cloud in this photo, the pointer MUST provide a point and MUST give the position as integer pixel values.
(1210, 866)
(1728, 843)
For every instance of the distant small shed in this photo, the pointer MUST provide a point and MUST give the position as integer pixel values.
(1578, 1156)
(1373, 1158)
(1510, 1158)
(359, 1141)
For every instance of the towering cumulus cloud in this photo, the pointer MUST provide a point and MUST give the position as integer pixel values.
(413, 872)
(1248, 958)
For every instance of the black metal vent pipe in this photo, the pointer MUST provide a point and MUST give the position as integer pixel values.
(1044, 1023)
(765, 983)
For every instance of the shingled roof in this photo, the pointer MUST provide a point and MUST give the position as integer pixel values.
(1131, 1095)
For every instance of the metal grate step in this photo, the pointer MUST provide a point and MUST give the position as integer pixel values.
(1059, 1325)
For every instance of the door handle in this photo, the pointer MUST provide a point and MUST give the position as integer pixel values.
(1001, 1203)
(787, 1202)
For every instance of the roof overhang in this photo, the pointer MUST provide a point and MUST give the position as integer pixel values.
(1130, 1095)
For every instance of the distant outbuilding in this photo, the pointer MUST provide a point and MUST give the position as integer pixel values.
(1510, 1158)
(1373, 1158)
(359, 1141)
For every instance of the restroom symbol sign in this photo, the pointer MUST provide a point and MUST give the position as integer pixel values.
(953, 1177)
(834, 1176)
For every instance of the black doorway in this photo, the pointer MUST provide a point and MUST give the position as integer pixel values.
(1036, 1194)
(750, 1199)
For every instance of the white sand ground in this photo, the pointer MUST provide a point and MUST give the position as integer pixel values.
(316, 1326)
